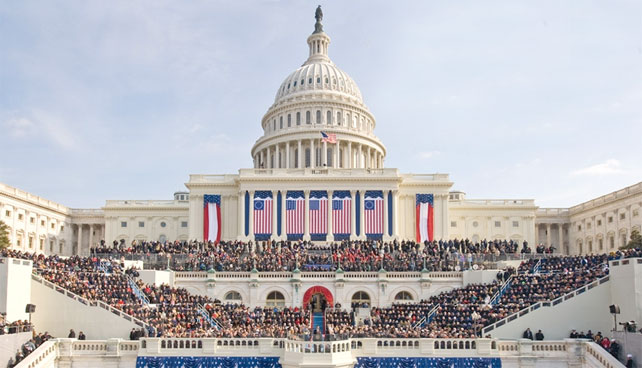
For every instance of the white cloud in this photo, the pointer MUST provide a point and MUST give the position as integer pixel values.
(609, 167)
(429, 154)
(20, 127)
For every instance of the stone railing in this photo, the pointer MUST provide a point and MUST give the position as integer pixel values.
(44, 356)
(607, 198)
(202, 275)
(550, 303)
(71, 352)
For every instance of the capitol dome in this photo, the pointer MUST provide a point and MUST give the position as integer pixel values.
(318, 118)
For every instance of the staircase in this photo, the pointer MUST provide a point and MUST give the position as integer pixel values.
(318, 321)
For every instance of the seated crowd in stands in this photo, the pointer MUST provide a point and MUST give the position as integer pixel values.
(461, 312)
(288, 255)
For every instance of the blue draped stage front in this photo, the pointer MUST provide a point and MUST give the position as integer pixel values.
(207, 362)
(273, 362)
(428, 363)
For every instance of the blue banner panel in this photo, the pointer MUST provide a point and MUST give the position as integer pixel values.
(207, 362)
(366, 362)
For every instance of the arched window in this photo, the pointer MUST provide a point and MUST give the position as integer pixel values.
(330, 157)
(274, 125)
(403, 295)
(318, 121)
(361, 298)
(233, 296)
(329, 118)
(289, 120)
(281, 122)
(298, 118)
(296, 158)
(307, 157)
(338, 118)
(308, 118)
(275, 299)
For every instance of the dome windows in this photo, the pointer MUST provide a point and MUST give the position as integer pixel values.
(290, 119)
(326, 80)
(281, 122)
(329, 118)
(318, 121)
(302, 81)
(294, 85)
(298, 118)
(310, 81)
(318, 79)
(308, 118)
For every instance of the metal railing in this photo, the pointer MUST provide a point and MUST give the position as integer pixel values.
(137, 291)
(205, 314)
(505, 286)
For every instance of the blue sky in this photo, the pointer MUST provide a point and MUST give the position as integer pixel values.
(514, 99)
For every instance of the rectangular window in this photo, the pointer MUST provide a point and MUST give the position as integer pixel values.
(588, 226)
(611, 242)
(636, 213)
(141, 224)
(622, 216)
(184, 224)
(579, 227)
(20, 216)
(453, 223)
(498, 224)
(610, 219)
(32, 220)
(62, 227)
(53, 226)
(123, 224)
(42, 222)
(601, 243)
(30, 243)
(515, 223)
(599, 222)
(7, 213)
(42, 244)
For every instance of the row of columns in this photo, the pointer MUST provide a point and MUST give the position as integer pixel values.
(549, 239)
(352, 159)
(306, 215)
(79, 237)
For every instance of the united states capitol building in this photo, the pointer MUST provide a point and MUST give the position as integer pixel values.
(318, 175)
(292, 158)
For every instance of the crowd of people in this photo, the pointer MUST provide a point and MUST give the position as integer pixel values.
(28, 348)
(459, 313)
(367, 255)
(13, 327)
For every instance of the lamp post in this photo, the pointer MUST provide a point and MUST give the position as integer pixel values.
(475, 317)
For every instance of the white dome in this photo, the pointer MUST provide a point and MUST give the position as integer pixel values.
(316, 77)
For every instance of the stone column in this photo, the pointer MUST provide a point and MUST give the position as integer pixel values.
(536, 234)
(560, 235)
(324, 155)
(312, 154)
(274, 214)
(91, 236)
(299, 155)
(251, 216)
(79, 250)
(348, 163)
(330, 236)
(262, 163)
(240, 224)
(284, 236)
(335, 162)
(277, 157)
(369, 160)
(287, 154)
(362, 227)
(385, 215)
(306, 216)
(268, 163)
(353, 215)
(548, 235)
(359, 154)
(395, 214)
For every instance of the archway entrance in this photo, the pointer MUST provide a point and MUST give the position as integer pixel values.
(318, 298)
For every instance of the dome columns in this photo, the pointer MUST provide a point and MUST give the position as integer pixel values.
(313, 153)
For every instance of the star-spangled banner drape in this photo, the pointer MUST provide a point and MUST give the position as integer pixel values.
(294, 214)
(341, 213)
(318, 213)
(425, 217)
(263, 214)
(212, 217)
(402, 362)
(373, 213)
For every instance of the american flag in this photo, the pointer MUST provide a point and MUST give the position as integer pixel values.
(373, 212)
(425, 217)
(341, 211)
(263, 213)
(318, 212)
(328, 137)
(294, 215)
(212, 217)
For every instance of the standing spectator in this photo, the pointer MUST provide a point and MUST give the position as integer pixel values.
(528, 334)
(81, 336)
(629, 361)
(72, 334)
(539, 336)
